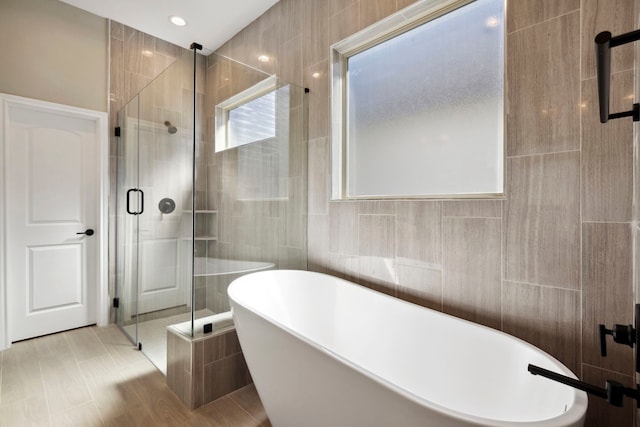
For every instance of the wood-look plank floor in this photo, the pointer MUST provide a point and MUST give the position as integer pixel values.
(95, 377)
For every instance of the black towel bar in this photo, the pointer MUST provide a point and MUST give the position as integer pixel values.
(604, 42)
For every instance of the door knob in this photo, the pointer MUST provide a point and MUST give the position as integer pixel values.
(89, 232)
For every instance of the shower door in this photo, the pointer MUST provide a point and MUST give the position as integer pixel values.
(127, 203)
(154, 193)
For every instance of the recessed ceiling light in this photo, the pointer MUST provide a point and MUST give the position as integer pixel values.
(176, 20)
(147, 53)
(492, 22)
(315, 75)
(263, 58)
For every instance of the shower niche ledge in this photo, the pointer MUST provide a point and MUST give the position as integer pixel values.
(206, 227)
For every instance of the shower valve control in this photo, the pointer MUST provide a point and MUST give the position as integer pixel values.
(622, 334)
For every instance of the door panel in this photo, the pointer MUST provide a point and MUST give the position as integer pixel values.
(52, 181)
(52, 188)
(55, 277)
(159, 287)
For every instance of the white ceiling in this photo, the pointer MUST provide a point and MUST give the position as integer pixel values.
(209, 22)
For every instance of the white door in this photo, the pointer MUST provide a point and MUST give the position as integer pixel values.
(52, 195)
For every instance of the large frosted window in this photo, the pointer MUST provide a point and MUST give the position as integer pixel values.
(421, 113)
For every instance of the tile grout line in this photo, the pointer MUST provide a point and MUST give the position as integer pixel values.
(549, 153)
(44, 386)
(243, 409)
(608, 370)
(542, 286)
(112, 359)
(105, 347)
(580, 206)
(82, 378)
(544, 21)
(607, 222)
(470, 217)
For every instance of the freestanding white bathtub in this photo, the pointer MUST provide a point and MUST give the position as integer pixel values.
(328, 353)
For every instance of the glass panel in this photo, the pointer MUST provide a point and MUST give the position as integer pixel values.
(263, 165)
(127, 224)
(155, 227)
(165, 178)
(425, 108)
(229, 223)
(257, 202)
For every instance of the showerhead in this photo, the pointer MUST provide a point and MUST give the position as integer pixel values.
(170, 128)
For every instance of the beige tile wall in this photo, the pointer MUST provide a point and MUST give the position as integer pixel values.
(547, 263)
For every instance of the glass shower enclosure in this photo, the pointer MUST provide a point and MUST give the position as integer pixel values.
(195, 210)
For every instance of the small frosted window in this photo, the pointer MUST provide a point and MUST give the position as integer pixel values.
(256, 124)
(253, 121)
(250, 115)
(424, 109)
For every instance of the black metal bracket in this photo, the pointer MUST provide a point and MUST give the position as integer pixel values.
(604, 42)
(613, 392)
(196, 46)
(622, 334)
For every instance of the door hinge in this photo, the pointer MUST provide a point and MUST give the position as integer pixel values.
(116, 302)
(117, 131)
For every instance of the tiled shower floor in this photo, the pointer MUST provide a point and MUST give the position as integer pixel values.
(95, 377)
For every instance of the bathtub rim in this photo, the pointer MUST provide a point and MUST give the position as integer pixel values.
(574, 414)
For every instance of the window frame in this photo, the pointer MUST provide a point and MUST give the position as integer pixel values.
(402, 21)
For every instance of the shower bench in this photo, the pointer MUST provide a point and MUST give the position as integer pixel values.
(205, 367)
(202, 367)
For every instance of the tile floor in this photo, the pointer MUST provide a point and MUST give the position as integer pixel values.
(153, 336)
(95, 377)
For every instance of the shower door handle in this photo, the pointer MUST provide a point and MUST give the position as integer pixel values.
(135, 190)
